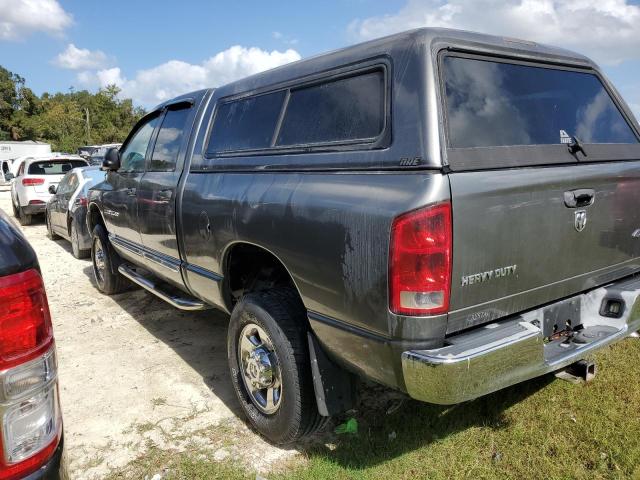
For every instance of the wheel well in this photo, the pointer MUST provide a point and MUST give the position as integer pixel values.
(94, 217)
(249, 268)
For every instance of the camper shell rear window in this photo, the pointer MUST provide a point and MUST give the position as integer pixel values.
(501, 113)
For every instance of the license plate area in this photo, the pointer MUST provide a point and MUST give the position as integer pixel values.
(561, 317)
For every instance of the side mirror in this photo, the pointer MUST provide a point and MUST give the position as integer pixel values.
(53, 189)
(111, 160)
(9, 176)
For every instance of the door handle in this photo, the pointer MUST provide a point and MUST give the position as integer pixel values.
(582, 197)
(131, 192)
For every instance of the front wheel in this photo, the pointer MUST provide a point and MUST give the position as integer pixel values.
(105, 263)
(269, 363)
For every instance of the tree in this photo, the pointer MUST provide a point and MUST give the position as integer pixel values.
(61, 118)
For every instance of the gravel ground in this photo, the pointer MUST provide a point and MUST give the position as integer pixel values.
(135, 373)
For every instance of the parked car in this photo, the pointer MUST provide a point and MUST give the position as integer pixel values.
(31, 436)
(5, 171)
(66, 210)
(30, 189)
(433, 211)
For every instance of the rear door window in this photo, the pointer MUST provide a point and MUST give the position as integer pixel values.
(167, 146)
(350, 109)
(493, 104)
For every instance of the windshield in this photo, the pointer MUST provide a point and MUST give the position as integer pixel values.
(492, 103)
(54, 167)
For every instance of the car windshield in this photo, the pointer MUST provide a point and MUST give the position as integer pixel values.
(54, 167)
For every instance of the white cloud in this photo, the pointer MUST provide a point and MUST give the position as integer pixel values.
(154, 85)
(607, 30)
(74, 58)
(19, 18)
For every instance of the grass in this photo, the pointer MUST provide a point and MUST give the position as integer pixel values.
(539, 429)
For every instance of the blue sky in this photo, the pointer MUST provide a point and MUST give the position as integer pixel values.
(154, 49)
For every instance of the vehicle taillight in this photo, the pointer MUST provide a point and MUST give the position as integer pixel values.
(30, 420)
(27, 182)
(420, 261)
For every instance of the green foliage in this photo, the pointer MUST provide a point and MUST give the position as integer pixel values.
(65, 120)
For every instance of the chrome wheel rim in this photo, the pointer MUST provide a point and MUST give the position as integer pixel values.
(260, 369)
(99, 262)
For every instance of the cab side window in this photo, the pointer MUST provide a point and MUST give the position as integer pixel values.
(133, 155)
(73, 183)
(167, 146)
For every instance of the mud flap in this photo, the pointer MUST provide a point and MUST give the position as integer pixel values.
(334, 387)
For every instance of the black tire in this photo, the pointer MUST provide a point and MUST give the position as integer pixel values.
(281, 314)
(50, 233)
(107, 281)
(16, 212)
(75, 243)
(24, 219)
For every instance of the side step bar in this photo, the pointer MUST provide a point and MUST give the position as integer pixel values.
(184, 302)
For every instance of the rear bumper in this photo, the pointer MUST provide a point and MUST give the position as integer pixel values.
(34, 209)
(510, 351)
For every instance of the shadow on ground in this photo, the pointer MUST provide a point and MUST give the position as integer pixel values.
(200, 340)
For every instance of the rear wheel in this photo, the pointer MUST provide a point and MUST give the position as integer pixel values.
(50, 233)
(24, 218)
(105, 263)
(269, 363)
(75, 242)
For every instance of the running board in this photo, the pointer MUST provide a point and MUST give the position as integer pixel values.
(183, 302)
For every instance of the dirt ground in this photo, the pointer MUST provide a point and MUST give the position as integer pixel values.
(135, 372)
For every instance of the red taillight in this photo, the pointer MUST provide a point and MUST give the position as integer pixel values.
(27, 182)
(30, 420)
(25, 323)
(420, 261)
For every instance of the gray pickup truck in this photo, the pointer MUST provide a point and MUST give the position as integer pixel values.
(442, 212)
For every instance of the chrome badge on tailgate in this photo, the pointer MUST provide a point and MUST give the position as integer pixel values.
(488, 275)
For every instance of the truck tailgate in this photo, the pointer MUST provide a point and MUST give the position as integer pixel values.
(523, 237)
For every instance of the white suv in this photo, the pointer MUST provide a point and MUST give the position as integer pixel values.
(30, 189)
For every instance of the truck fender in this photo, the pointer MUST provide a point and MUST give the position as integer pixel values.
(335, 387)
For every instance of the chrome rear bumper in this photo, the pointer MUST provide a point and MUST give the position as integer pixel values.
(510, 351)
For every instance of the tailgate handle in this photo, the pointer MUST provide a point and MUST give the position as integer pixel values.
(583, 197)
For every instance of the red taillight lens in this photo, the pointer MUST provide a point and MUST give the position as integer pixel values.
(27, 182)
(420, 261)
(25, 322)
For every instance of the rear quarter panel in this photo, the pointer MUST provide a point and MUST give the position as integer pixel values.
(330, 230)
